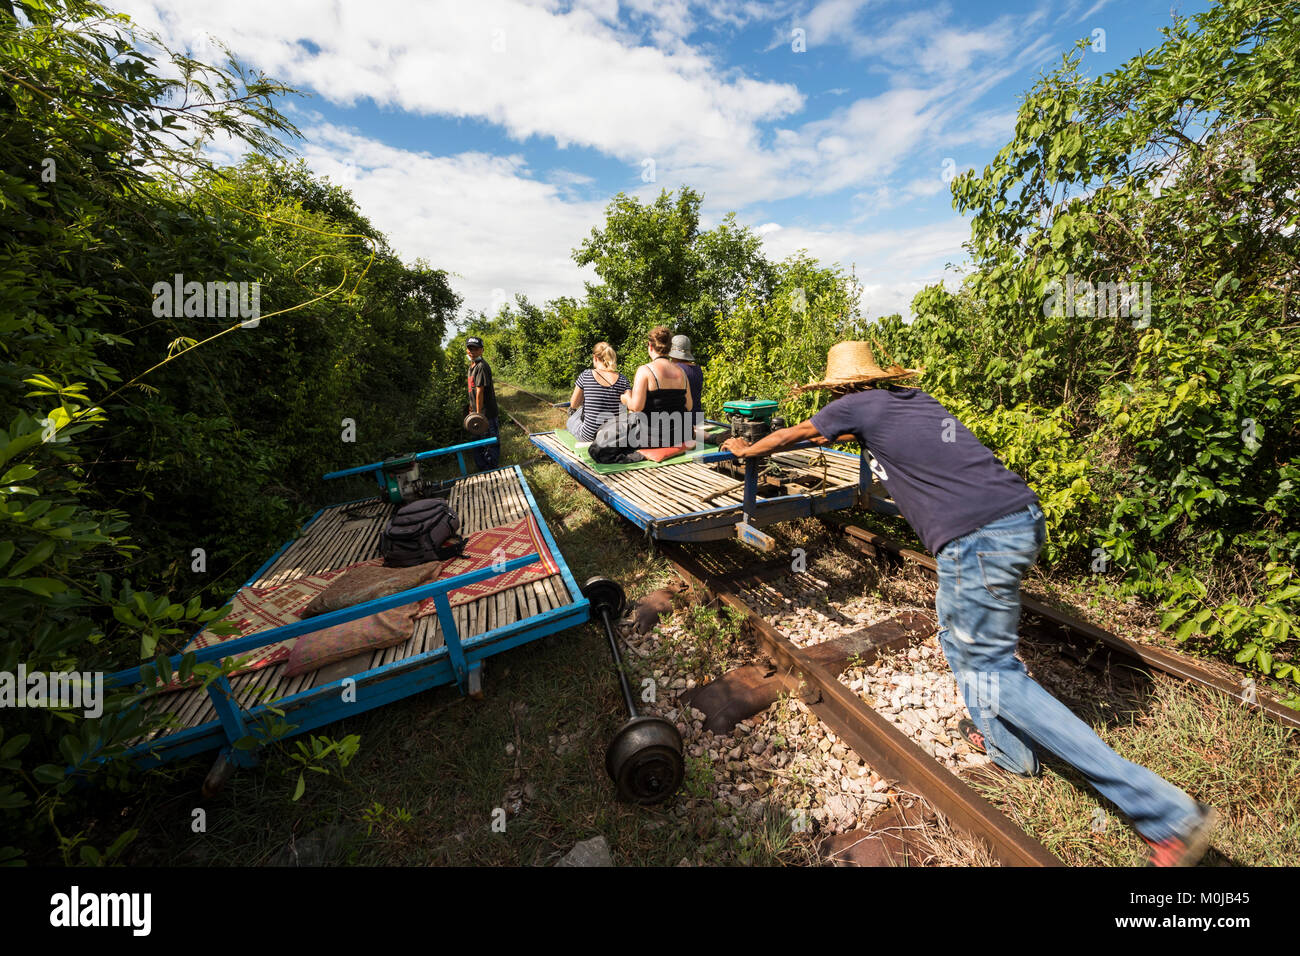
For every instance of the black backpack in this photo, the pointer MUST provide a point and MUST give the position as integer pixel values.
(613, 443)
(420, 531)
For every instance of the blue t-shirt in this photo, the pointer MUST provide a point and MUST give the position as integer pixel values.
(694, 381)
(943, 480)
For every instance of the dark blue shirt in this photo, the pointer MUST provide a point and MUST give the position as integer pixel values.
(943, 480)
(694, 381)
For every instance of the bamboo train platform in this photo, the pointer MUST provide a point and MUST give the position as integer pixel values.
(711, 496)
(239, 706)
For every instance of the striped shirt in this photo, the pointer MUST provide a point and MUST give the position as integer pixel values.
(599, 402)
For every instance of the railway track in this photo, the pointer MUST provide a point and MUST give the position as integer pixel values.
(877, 741)
(545, 401)
(813, 672)
(1093, 645)
(810, 674)
(517, 422)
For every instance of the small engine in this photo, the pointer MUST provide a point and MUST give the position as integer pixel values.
(402, 481)
(752, 419)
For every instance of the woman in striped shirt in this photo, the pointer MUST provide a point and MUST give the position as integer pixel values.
(596, 393)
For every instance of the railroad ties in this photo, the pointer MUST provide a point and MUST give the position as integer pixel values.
(813, 673)
(1084, 638)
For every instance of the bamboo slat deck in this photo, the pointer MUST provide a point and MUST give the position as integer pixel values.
(692, 492)
(347, 533)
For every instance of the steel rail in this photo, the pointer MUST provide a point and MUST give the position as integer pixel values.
(1165, 661)
(878, 742)
(544, 401)
(517, 422)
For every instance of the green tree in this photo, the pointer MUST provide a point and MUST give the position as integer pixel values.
(657, 268)
(123, 424)
(1175, 174)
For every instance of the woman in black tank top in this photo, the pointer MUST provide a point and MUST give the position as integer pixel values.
(661, 389)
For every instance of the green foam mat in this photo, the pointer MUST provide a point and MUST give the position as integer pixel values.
(580, 450)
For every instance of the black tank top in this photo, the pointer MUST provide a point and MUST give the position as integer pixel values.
(664, 399)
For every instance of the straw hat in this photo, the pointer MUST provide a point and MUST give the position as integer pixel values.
(851, 363)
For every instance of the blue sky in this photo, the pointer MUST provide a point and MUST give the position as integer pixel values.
(487, 137)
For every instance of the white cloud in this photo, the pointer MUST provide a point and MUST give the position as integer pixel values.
(567, 177)
(487, 220)
(582, 79)
(583, 76)
(482, 217)
(892, 265)
(1093, 10)
(571, 76)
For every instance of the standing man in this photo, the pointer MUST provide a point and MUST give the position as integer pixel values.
(985, 528)
(483, 399)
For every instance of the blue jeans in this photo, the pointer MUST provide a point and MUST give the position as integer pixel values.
(979, 612)
(574, 425)
(488, 456)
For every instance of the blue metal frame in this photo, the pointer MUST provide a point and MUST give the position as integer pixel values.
(378, 466)
(714, 524)
(454, 662)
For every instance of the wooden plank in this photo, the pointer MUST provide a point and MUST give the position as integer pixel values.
(433, 634)
(182, 706)
(199, 701)
(297, 684)
(684, 500)
(206, 712)
(672, 486)
(543, 599)
(529, 600)
(461, 617)
(639, 496)
(509, 607)
(561, 590)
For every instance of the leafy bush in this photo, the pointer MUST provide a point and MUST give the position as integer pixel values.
(131, 438)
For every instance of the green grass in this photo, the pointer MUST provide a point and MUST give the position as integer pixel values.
(1212, 746)
(437, 764)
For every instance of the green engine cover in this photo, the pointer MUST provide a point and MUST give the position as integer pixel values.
(755, 410)
(398, 474)
(392, 490)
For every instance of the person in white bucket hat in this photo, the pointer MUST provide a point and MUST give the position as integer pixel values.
(682, 355)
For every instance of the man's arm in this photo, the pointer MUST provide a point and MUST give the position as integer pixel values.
(779, 440)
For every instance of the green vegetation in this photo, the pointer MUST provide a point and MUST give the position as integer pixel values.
(1126, 342)
(1166, 437)
(116, 431)
(1236, 759)
(1163, 442)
